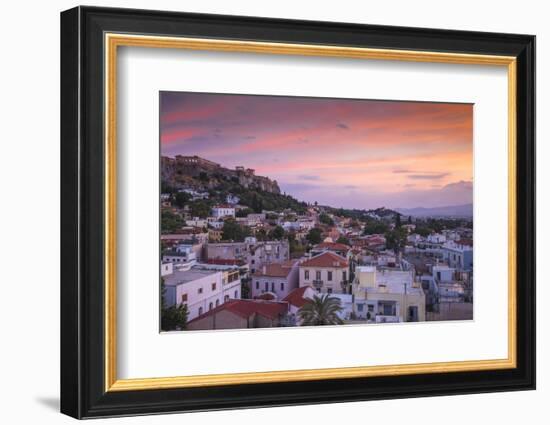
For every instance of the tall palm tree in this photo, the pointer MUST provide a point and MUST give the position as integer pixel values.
(321, 310)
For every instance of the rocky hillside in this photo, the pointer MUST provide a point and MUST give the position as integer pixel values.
(199, 173)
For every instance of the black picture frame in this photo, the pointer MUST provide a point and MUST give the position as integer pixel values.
(83, 392)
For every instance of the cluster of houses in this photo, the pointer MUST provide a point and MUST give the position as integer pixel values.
(260, 283)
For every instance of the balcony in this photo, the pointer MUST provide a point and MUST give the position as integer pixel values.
(317, 283)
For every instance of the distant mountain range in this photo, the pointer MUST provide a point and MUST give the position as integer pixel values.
(465, 210)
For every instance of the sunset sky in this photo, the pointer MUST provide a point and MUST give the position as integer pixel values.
(338, 152)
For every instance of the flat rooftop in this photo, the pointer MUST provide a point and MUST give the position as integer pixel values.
(195, 272)
(184, 276)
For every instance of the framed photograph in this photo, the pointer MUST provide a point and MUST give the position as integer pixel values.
(261, 212)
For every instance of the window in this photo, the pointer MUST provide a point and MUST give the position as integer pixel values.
(213, 286)
(200, 311)
(199, 290)
(344, 274)
(217, 303)
(329, 290)
(226, 298)
(360, 307)
(257, 284)
(370, 308)
(272, 286)
(318, 275)
(306, 274)
(282, 286)
(329, 275)
(236, 294)
(267, 286)
(210, 306)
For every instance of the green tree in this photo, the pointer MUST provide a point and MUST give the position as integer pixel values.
(344, 240)
(278, 233)
(170, 222)
(199, 208)
(180, 199)
(375, 227)
(234, 231)
(166, 187)
(321, 310)
(397, 220)
(245, 287)
(173, 318)
(325, 219)
(396, 239)
(261, 235)
(314, 236)
(244, 212)
(422, 230)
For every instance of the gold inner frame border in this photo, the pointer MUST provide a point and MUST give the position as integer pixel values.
(113, 40)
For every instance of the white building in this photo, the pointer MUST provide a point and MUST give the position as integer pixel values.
(220, 211)
(443, 273)
(436, 238)
(278, 279)
(414, 238)
(202, 287)
(386, 259)
(387, 296)
(251, 251)
(297, 298)
(216, 224)
(459, 254)
(166, 268)
(257, 217)
(196, 222)
(232, 199)
(194, 194)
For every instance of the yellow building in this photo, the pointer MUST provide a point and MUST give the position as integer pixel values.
(387, 296)
(326, 273)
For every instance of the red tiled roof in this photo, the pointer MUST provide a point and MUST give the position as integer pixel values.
(224, 206)
(467, 242)
(335, 246)
(246, 308)
(296, 297)
(326, 259)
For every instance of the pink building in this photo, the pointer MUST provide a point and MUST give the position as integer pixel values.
(277, 279)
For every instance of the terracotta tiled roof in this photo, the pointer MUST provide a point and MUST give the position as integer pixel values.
(467, 242)
(246, 308)
(296, 297)
(334, 246)
(276, 270)
(326, 259)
